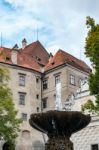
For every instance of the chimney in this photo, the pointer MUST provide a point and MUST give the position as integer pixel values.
(24, 43)
(14, 54)
(50, 56)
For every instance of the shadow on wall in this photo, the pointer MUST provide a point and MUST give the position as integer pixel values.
(38, 145)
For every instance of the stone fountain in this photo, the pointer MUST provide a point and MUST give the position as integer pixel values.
(59, 125)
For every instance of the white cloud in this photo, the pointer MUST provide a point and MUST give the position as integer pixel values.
(61, 24)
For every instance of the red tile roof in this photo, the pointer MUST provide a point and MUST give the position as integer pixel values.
(62, 57)
(23, 60)
(34, 56)
(37, 52)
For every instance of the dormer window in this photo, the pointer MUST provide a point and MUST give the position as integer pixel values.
(53, 63)
(7, 58)
(37, 58)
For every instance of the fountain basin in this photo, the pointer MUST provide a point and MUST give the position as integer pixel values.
(59, 123)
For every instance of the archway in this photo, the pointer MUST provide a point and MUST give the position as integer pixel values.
(8, 146)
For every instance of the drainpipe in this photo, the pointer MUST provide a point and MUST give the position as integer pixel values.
(41, 105)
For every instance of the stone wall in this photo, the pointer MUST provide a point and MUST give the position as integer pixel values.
(67, 88)
(88, 136)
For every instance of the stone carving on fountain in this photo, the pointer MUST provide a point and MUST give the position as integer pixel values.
(59, 125)
(70, 101)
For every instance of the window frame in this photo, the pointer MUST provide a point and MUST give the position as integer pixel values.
(38, 109)
(45, 85)
(37, 79)
(72, 80)
(22, 101)
(22, 79)
(37, 96)
(24, 116)
(44, 104)
(57, 79)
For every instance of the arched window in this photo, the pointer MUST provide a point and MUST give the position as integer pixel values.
(26, 134)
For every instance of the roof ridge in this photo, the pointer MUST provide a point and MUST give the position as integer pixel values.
(71, 55)
(62, 57)
(42, 46)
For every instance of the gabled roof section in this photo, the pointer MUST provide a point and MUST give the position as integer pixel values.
(33, 56)
(37, 52)
(62, 57)
(23, 60)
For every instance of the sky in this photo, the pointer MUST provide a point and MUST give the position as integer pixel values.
(57, 24)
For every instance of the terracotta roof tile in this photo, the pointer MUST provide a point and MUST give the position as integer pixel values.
(23, 60)
(62, 57)
(35, 55)
(37, 52)
(27, 62)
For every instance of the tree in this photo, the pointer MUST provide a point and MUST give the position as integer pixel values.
(92, 51)
(9, 123)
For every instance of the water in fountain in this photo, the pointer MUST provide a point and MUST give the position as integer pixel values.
(58, 102)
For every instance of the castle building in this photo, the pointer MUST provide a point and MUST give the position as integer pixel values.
(34, 74)
(87, 138)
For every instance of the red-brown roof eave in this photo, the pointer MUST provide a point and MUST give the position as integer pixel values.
(62, 57)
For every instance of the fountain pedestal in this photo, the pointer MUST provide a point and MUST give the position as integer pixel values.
(59, 143)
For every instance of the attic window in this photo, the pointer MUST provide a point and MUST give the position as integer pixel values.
(37, 58)
(7, 58)
(53, 63)
(73, 61)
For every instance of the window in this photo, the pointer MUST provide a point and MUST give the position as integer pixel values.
(44, 103)
(24, 116)
(72, 79)
(22, 98)
(22, 79)
(37, 96)
(37, 109)
(94, 147)
(57, 79)
(7, 58)
(45, 84)
(37, 79)
(37, 58)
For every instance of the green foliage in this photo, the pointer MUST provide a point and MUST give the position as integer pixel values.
(90, 106)
(92, 51)
(9, 123)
